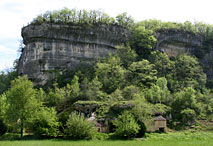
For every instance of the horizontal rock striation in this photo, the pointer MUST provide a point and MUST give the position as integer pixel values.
(174, 42)
(50, 47)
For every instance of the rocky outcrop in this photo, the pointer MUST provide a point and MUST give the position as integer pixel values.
(174, 42)
(50, 47)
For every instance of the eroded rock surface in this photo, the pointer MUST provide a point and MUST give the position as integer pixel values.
(50, 47)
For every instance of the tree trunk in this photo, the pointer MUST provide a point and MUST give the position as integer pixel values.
(22, 128)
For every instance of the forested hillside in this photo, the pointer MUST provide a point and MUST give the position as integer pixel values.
(126, 89)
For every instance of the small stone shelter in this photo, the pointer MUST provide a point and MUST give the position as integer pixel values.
(160, 123)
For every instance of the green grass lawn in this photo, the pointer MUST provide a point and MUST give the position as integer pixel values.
(154, 139)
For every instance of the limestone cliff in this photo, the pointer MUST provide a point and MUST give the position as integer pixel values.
(174, 42)
(51, 47)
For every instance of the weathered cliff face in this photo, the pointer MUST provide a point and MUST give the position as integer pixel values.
(50, 47)
(174, 42)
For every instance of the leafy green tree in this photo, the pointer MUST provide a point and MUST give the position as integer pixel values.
(164, 92)
(126, 55)
(184, 100)
(3, 127)
(189, 73)
(83, 17)
(125, 20)
(72, 90)
(3, 106)
(41, 95)
(44, 122)
(77, 127)
(130, 91)
(116, 95)
(143, 110)
(92, 91)
(126, 125)
(3, 109)
(21, 102)
(188, 116)
(142, 73)
(55, 96)
(111, 74)
(143, 41)
(162, 63)
(153, 94)
(6, 78)
(159, 93)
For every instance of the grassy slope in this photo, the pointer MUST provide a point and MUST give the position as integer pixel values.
(171, 139)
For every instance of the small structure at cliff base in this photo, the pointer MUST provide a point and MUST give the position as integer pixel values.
(160, 123)
(57, 47)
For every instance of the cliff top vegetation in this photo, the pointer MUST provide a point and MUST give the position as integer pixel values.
(87, 17)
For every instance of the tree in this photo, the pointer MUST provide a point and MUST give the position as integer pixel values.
(44, 122)
(116, 95)
(183, 102)
(77, 127)
(21, 102)
(111, 74)
(92, 90)
(3, 109)
(126, 125)
(143, 41)
(3, 106)
(162, 63)
(129, 92)
(142, 73)
(5, 79)
(143, 110)
(126, 55)
(72, 91)
(125, 20)
(189, 73)
(55, 96)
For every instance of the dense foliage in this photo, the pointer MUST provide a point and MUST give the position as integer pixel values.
(126, 125)
(85, 17)
(77, 127)
(45, 122)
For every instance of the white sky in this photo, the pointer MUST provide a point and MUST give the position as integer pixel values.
(15, 14)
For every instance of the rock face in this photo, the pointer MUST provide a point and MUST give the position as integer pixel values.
(50, 47)
(174, 42)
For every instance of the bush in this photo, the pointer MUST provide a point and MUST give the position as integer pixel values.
(126, 125)
(101, 136)
(142, 131)
(62, 118)
(77, 127)
(3, 128)
(45, 123)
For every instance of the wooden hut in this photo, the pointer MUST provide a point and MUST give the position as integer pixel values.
(160, 123)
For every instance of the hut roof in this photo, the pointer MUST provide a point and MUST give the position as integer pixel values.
(159, 118)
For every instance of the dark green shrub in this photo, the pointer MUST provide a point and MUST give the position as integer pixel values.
(142, 131)
(62, 118)
(126, 125)
(3, 128)
(77, 127)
